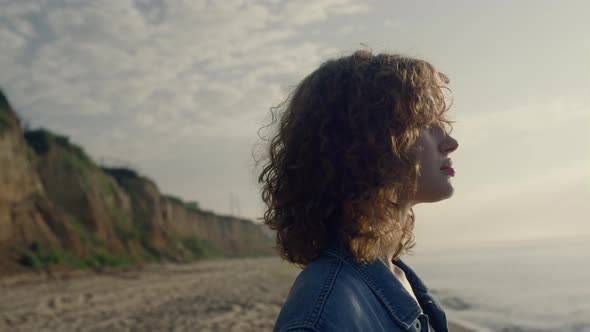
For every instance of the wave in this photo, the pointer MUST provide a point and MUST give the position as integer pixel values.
(475, 317)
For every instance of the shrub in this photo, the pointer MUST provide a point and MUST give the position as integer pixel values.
(201, 249)
(42, 139)
(39, 140)
(30, 259)
(121, 175)
(192, 205)
(37, 257)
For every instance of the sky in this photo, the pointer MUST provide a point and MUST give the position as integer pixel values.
(178, 89)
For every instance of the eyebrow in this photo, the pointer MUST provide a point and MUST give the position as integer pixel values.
(438, 129)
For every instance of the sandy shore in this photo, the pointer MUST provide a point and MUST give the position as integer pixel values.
(232, 295)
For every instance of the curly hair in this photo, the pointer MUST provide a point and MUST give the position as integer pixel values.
(341, 159)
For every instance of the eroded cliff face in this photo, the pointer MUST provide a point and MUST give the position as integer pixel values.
(73, 182)
(26, 215)
(147, 217)
(54, 197)
(231, 234)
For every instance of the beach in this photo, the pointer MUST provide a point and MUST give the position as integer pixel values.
(225, 295)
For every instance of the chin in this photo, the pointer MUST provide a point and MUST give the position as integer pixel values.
(438, 196)
(431, 190)
(448, 194)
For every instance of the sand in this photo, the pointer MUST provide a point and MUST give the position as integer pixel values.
(229, 295)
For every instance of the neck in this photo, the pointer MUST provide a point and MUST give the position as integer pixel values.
(387, 255)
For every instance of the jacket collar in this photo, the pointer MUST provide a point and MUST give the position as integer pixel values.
(417, 285)
(379, 278)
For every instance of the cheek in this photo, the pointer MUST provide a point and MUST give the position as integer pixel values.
(427, 159)
(427, 176)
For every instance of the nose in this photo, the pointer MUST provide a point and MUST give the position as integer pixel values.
(450, 145)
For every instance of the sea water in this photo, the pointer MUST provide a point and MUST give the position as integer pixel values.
(528, 286)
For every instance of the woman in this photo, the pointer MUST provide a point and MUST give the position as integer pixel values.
(360, 141)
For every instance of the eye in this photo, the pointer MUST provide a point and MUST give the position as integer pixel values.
(436, 130)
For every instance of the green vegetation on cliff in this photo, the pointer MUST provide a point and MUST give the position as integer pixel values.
(84, 234)
(41, 140)
(122, 175)
(191, 205)
(39, 257)
(201, 249)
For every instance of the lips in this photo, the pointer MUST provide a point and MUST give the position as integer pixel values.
(449, 170)
(447, 167)
(448, 164)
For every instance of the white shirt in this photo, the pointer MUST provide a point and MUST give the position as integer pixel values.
(401, 276)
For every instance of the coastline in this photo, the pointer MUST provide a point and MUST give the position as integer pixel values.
(239, 295)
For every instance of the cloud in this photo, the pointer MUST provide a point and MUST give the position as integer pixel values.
(171, 69)
(300, 13)
(173, 88)
(391, 23)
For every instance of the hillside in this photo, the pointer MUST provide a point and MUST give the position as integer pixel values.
(58, 208)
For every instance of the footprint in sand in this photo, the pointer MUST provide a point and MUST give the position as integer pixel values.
(52, 303)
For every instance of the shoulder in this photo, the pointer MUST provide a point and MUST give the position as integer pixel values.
(308, 295)
(329, 296)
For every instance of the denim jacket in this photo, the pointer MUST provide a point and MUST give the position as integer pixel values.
(336, 294)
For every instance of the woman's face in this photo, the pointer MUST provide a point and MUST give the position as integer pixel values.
(432, 149)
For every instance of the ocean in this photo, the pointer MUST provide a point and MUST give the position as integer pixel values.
(535, 286)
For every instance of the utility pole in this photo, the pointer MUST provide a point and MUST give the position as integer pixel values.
(237, 199)
(234, 205)
(231, 204)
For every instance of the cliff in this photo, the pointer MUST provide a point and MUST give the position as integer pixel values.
(58, 208)
(230, 234)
